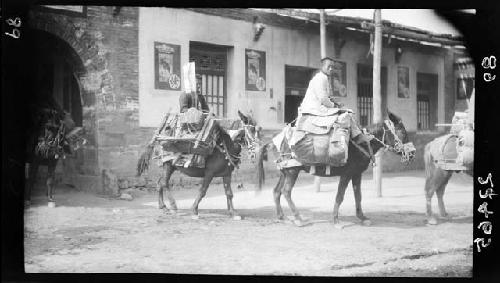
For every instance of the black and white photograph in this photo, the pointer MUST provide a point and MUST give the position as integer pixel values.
(302, 142)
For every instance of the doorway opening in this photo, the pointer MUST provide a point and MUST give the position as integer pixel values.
(296, 82)
(211, 73)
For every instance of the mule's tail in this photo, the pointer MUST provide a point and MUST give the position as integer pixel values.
(143, 162)
(428, 160)
(261, 156)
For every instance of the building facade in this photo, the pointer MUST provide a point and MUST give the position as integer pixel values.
(118, 70)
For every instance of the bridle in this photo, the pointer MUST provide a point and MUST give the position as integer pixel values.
(52, 141)
(251, 141)
(407, 150)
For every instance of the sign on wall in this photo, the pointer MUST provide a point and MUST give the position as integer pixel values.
(255, 70)
(167, 66)
(339, 79)
(403, 82)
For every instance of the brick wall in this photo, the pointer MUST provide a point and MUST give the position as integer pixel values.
(105, 43)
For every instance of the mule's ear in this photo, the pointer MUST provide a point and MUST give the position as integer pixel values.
(243, 117)
(395, 119)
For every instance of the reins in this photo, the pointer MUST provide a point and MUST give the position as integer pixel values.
(251, 142)
(397, 146)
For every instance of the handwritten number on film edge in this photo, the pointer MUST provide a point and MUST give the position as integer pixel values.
(489, 63)
(16, 33)
(486, 226)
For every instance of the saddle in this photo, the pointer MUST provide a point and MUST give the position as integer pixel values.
(321, 140)
(454, 151)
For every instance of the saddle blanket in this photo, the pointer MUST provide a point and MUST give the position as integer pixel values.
(314, 149)
(451, 148)
(321, 125)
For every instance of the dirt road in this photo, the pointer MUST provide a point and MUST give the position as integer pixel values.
(88, 233)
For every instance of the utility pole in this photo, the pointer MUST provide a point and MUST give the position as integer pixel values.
(322, 39)
(377, 96)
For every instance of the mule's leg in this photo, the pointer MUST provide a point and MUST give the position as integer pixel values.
(356, 187)
(440, 192)
(229, 195)
(277, 196)
(287, 191)
(51, 180)
(203, 191)
(32, 175)
(169, 170)
(430, 188)
(344, 181)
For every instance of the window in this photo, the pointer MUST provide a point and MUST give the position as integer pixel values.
(427, 88)
(423, 113)
(365, 93)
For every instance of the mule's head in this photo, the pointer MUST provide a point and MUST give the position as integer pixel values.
(395, 138)
(73, 135)
(250, 133)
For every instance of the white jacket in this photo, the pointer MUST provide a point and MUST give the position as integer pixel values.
(317, 101)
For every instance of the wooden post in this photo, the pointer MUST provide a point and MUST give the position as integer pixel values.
(377, 96)
(322, 32)
(322, 36)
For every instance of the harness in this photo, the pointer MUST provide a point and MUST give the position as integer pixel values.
(398, 144)
(52, 142)
(251, 141)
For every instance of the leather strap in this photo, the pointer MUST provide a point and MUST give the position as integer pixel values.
(368, 154)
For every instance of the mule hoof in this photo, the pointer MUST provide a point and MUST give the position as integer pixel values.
(432, 221)
(51, 204)
(366, 222)
(298, 222)
(446, 217)
(169, 211)
(195, 217)
(338, 226)
(236, 217)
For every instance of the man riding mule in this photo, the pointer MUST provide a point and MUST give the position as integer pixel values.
(327, 141)
(323, 127)
(390, 135)
(318, 101)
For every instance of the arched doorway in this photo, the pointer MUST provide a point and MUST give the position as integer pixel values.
(53, 71)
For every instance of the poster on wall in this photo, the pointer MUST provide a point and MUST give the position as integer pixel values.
(167, 66)
(403, 82)
(255, 70)
(339, 79)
